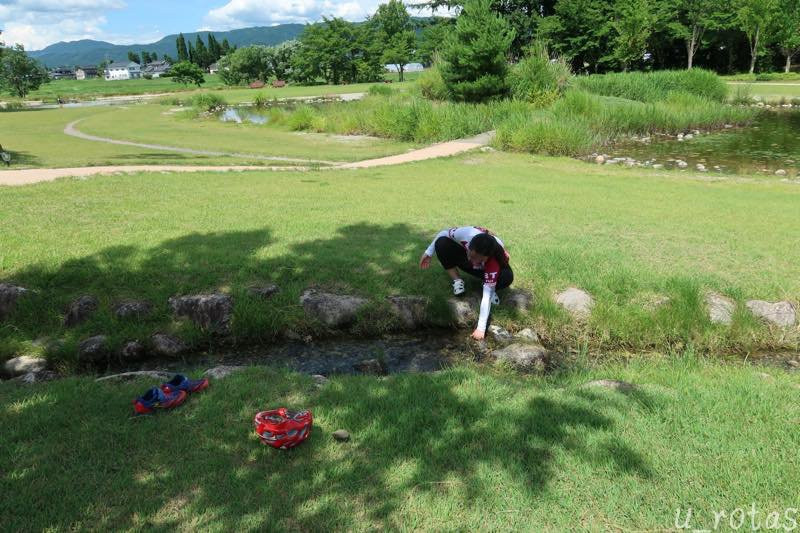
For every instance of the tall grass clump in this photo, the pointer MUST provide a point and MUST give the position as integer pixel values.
(302, 118)
(742, 95)
(209, 102)
(380, 90)
(262, 101)
(655, 86)
(431, 85)
(545, 134)
(537, 79)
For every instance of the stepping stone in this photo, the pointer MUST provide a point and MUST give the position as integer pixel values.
(613, 384)
(94, 349)
(80, 310)
(464, 311)
(9, 294)
(320, 380)
(222, 371)
(210, 312)
(577, 302)
(779, 313)
(720, 308)
(132, 309)
(132, 351)
(371, 366)
(333, 310)
(527, 335)
(341, 435)
(523, 357)
(499, 334)
(167, 345)
(410, 309)
(22, 365)
(265, 292)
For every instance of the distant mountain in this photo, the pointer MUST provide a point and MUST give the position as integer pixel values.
(88, 52)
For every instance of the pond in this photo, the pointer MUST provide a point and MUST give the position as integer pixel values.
(768, 146)
(238, 116)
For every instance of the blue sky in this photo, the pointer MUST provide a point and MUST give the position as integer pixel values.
(39, 23)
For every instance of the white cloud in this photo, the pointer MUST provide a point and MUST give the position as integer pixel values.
(38, 23)
(243, 13)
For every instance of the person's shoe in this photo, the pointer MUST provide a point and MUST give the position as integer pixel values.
(181, 382)
(156, 398)
(495, 299)
(458, 287)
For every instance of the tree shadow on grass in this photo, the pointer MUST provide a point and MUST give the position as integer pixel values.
(455, 442)
(19, 159)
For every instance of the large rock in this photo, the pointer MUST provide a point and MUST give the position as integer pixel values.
(525, 357)
(333, 310)
(222, 371)
(80, 310)
(93, 350)
(264, 292)
(167, 345)
(24, 364)
(518, 299)
(133, 351)
(132, 309)
(410, 309)
(211, 312)
(464, 311)
(612, 384)
(781, 314)
(527, 335)
(577, 302)
(37, 377)
(720, 308)
(9, 294)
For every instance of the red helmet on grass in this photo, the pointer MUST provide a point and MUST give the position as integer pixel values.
(281, 428)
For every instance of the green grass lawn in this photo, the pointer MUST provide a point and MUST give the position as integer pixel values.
(463, 449)
(150, 124)
(36, 139)
(769, 91)
(624, 235)
(90, 89)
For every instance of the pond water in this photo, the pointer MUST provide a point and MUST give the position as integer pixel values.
(238, 116)
(771, 144)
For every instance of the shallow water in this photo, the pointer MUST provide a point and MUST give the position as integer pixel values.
(398, 353)
(238, 116)
(770, 144)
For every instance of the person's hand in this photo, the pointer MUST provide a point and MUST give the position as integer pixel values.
(478, 335)
(424, 261)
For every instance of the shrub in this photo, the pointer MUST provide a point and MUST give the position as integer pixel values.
(380, 90)
(654, 86)
(209, 102)
(538, 79)
(302, 118)
(431, 84)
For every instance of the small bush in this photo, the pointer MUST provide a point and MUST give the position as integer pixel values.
(262, 101)
(655, 86)
(538, 79)
(301, 118)
(209, 102)
(380, 90)
(431, 84)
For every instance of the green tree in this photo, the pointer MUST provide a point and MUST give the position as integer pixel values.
(186, 73)
(183, 51)
(19, 73)
(689, 20)
(246, 64)
(633, 24)
(202, 57)
(226, 47)
(788, 30)
(475, 57)
(133, 56)
(168, 59)
(392, 26)
(754, 18)
(434, 35)
(579, 31)
(214, 49)
(190, 51)
(281, 59)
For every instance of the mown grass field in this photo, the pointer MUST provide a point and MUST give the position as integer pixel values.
(467, 448)
(94, 88)
(769, 91)
(624, 235)
(36, 139)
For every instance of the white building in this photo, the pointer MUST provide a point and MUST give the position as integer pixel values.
(123, 71)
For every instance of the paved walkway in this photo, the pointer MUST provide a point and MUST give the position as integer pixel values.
(26, 177)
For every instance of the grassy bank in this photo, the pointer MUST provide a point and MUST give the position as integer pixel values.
(624, 236)
(427, 452)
